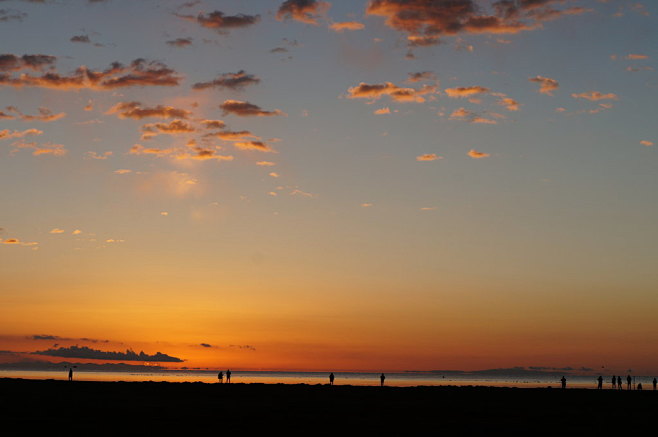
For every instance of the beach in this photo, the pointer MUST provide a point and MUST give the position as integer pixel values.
(159, 407)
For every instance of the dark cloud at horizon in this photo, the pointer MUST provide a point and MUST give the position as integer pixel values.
(95, 354)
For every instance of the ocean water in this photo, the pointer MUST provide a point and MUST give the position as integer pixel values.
(341, 378)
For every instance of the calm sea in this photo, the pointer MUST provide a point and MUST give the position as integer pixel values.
(345, 378)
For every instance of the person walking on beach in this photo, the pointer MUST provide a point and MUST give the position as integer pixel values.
(639, 386)
(220, 377)
(228, 376)
(600, 379)
(628, 382)
(564, 382)
(614, 382)
(70, 373)
(655, 382)
(619, 387)
(331, 378)
(382, 378)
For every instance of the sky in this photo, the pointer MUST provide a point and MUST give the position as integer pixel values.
(329, 185)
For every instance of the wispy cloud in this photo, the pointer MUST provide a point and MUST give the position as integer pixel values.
(477, 155)
(399, 94)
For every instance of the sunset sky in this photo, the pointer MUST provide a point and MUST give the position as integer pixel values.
(347, 185)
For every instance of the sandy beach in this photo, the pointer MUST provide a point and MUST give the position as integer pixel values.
(156, 407)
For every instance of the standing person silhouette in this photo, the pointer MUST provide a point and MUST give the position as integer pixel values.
(600, 379)
(382, 378)
(220, 377)
(628, 382)
(564, 382)
(331, 378)
(228, 376)
(655, 382)
(70, 373)
(619, 387)
(614, 382)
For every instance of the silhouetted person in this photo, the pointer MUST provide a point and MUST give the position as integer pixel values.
(70, 374)
(619, 387)
(220, 377)
(614, 382)
(382, 378)
(228, 376)
(564, 382)
(331, 379)
(628, 382)
(600, 379)
(639, 386)
(655, 382)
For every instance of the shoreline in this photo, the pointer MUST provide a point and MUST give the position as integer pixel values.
(320, 409)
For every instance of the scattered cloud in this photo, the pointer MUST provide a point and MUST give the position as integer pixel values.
(428, 157)
(635, 57)
(57, 231)
(17, 242)
(11, 15)
(429, 208)
(221, 22)
(45, 115)
(367, 205)
(398, 94)
(95, 155)
(253, 145)
(6, 134)
(246, 109)
(81, 39)
(477, 155)
(136, 111)
(122, 171)
(40, 149)
(213, 124)
(234, 81)
(382, 111)
(265, 163)
(180, 42)
(174, 127)
(546, 85)
(305, 11)
(94, 354)
(421, 76)
(646, 143)
(463, 114)
(139, 72)
(461, 92)
(594, 96)
(426, 21)
(346, 25)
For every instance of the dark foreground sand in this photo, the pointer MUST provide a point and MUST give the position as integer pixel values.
(152, 408)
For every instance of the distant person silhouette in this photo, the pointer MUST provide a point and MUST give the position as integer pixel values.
(228, 376)
(70, 374)
(600, 379)
(639, 386)
(628, 382)
(564, 382)
(220, 377)
(619, 387)
(614, 382)
(655, 382)
(382, 378)
(331, 379)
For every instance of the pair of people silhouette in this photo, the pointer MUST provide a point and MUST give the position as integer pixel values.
(220, 377)
(382, 377)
